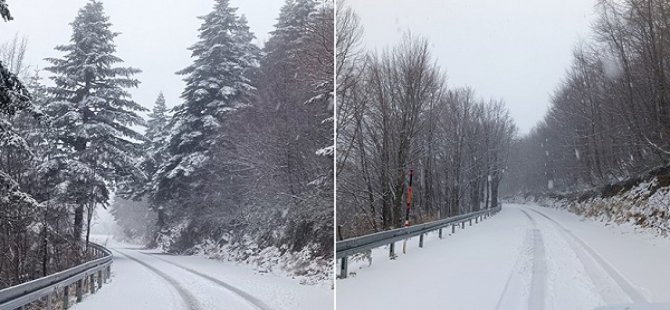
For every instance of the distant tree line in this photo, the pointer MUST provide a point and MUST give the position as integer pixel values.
(610, 117)
(395, 114)
(245, 159)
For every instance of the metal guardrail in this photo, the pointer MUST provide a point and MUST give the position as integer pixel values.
(16, 297)
(348, 247)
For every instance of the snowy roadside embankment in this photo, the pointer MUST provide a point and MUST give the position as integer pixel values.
(643, 201)
(302, 266)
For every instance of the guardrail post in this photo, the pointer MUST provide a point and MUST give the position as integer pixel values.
(421, 240)
(470, 221)
(66, 297)
(453, 228)
(477, 219)
(392, 250)
(91, 283)
(99, 279)
(343, 268)
(440, 233)
(49, 305)
(109, 273)
(78, 291)
(463, 225)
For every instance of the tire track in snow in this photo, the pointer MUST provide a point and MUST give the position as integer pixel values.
(510, 278)
(533, 246)
(190, 300)
(244, 295)
(583, 250)
(536, 298)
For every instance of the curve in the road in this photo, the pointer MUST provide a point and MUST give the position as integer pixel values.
(246, 296)
(190, 300)
(625, 286)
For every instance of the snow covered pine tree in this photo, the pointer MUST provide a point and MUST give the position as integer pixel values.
(92, 114)
(13, 95)
(296, 85)
(217, 85)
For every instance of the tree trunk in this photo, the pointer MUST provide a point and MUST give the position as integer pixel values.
(494, 191)
(78, 223)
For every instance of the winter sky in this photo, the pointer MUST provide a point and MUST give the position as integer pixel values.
(517, 50)
(155, 34)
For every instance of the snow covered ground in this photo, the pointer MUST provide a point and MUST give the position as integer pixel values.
(526, 257)
(148, 280)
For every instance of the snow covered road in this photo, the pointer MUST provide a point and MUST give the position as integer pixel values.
(526, 257)
(152, 280)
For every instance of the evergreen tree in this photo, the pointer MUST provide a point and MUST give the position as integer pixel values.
(92, 113)
(290, 97)
(14, 98)
(283, 49)
(13, 95)
(19, 208)
(283, 93)
(157, 136)
(217, 85)
(157, 124)
(318, 63)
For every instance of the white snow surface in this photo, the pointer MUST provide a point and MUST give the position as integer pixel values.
(566, 261)
(149, 279)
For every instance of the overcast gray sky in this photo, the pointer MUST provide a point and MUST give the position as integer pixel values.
(517, 50)
(155, 34)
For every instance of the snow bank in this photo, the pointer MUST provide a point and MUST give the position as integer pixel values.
(643, 201)
(302, 266)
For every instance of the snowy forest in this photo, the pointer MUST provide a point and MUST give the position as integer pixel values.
(243, 165)
(609, 120)
(395, 114)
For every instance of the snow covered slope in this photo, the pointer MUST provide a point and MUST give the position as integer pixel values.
(642, 200)
(526, 257)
